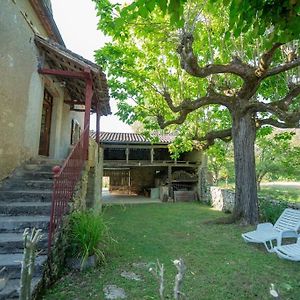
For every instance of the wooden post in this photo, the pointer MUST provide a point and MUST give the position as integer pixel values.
(88, 104)
(152, 155)
(170, 181)
(129, 182)
(100, 175)
(202, 184)
(127, 155)
(98, 123)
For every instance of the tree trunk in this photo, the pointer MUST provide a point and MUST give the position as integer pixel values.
(243, 135)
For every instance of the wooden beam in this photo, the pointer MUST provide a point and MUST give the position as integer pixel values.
(62, 73)
(97, 122)
(88, 100)
(79, 110)
(75, 102)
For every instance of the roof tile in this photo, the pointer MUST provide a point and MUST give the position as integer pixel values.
(119, 137)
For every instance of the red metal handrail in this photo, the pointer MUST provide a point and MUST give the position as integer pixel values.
(64, 182)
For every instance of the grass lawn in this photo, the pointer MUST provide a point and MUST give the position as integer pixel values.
(219, 264)
(285, 193)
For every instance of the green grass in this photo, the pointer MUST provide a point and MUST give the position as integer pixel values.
(284, 193)
(219, 264)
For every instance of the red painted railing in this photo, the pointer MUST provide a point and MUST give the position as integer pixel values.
(64, 182)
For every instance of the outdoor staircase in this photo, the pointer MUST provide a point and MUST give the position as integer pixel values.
(25, 202)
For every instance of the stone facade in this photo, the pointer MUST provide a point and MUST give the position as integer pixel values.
(222, 199)
(22, 91)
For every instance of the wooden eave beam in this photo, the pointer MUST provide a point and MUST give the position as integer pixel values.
(74, 102)
(62, 73)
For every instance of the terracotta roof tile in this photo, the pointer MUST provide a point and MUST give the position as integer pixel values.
(135, 138)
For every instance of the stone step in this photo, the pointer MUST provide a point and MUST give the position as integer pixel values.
(34, 175)
(25, 208)
(26, 196)
(23, 184)
(13, 243)
(12, 287)
(12, 264)
(45, 161)
(38, 167)
(19, 223)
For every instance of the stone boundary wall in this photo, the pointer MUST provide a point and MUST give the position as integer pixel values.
(223, 199)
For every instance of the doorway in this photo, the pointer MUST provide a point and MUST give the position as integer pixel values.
(46, 124)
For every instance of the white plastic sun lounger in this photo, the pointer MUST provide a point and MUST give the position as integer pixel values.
(290, 252)
(287, 225)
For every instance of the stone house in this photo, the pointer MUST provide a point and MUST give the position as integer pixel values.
(47, 94)
(133, 165)
(41, 114)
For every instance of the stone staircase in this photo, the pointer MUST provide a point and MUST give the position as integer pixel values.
(25, 201)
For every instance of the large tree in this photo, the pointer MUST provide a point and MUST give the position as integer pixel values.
(194, 71)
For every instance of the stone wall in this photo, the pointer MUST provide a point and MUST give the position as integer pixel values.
(141, 179)
(56, 260)
(22, 90)
(222, 199)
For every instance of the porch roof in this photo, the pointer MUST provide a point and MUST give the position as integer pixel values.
(58, 57)
(132, 138)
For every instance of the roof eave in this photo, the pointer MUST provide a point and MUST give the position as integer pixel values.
(45, 16)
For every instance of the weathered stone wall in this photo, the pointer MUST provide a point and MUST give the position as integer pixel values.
(18, 72)
(222, 199)
(141, 178)
(94, 187)
(56, 260)
(22, 90)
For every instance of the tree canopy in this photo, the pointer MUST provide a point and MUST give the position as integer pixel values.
(207, 70)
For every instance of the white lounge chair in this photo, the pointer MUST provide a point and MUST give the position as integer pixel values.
(290, 252)
(287, 226)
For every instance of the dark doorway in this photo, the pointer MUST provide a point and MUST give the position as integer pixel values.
(46, 124)
(119, 180)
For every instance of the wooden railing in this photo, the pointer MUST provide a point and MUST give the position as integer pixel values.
(64, 182)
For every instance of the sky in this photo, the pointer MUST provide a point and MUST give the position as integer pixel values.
(77, 23)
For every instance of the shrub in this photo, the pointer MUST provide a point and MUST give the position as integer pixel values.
(88, 235)
(270, 210)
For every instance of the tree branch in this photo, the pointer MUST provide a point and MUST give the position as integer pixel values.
(188, 106)
(266, 60)
(280, 108)
(212, 97)
(179, 120)
(189, 62)
(282, 68)
(273, 122)
(285, 102)
(209, 139)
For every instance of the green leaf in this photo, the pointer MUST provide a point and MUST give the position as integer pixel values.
(150, 4)
(143, 11)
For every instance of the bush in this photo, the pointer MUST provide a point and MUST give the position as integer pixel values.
(270, 210)
(88, 235)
